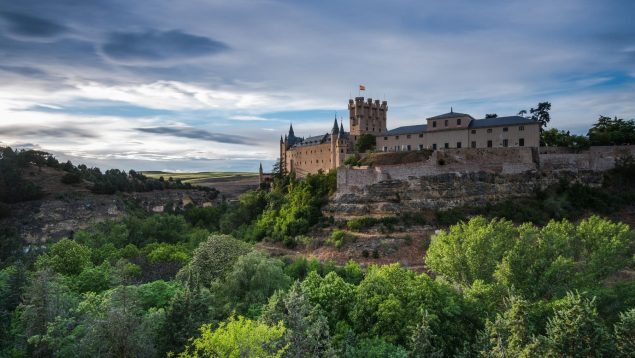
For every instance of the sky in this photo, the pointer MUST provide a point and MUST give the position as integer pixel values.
(206, 85)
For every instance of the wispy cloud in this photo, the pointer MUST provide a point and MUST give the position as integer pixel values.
(193, 133)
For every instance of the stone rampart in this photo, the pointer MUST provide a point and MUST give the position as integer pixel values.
(457, 177)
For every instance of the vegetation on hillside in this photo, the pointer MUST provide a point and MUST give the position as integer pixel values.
(155, 284)
(15, 187)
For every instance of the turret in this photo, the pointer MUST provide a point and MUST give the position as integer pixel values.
(335, 130)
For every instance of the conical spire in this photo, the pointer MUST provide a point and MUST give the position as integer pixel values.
(260, 169)
(335, 130)
(291, 134)
(281, 140)
(341, 126)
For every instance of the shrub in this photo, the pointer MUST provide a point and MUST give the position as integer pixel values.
(71, 178)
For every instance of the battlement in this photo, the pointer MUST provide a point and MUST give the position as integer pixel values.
(359, 102)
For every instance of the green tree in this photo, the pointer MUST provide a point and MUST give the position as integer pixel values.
(253, 278)
(511, 334)
(332, 293)
(237, 338)
(491, 115)
(575, 330)
(365, 142)
(471, 251)
(45, 298)
(308, 332)
(616, 131)
(625, 334)
(212, 260)
(556, 138)
(377, 348)
(424, 343)
(67, 257)
(541, 114)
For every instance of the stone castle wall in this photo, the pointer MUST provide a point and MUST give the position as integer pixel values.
(457, 177)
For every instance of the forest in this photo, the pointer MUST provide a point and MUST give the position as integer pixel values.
(191, 283)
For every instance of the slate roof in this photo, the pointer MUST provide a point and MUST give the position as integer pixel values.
(475, 123)
(450, 115)
(500, 121)
(408, 129)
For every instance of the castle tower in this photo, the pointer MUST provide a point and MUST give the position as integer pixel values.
(334, 139)
(366, 117)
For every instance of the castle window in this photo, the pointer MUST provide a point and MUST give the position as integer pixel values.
(521, 128)
(434, 146)
(396, 137)
(446, 145)
(489, 130)
(408, 147)
(505, 129)
(505, 143)
(446, 122)
(420, 135)
(385, 149)
(341, 150)
(458, 122)
(434, 124)
(385, 138)
(489, 144)
(408, 136)
(473, 131)
(473, 144)
(420, 146)
(458, 144)
(521, 142)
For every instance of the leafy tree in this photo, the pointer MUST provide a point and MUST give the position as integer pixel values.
(307, 329)
(377, 348)
(67, 257)
(237, 338)
(541, 114)
(511, 334)
(365, 142)
(491, 115)
(332, 293)
(575, 330)
(164, 228)
(186, 312)
(424, 343)
(212, 260)
(119, 327)
(556, 138)
(471, 251)
(45, 298)
(625, 334)
(250, 282)
(607, 131)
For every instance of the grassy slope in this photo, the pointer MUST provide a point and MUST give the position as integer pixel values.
(194, 178)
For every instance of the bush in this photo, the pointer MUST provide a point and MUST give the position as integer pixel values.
(338, 238)
(71, 178)
(365, 142)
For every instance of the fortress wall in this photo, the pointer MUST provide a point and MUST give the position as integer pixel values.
(473, 177)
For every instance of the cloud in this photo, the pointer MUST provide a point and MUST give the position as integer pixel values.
(27, 26)
(193, 133)
(56, 132)
(247, 118)
(154, 46)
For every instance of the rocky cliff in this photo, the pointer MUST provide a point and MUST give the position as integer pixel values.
(459, 177)
(60, 215)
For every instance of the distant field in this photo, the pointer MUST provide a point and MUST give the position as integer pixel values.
(199, 178)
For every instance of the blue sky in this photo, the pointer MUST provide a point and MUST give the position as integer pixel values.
(211, 85)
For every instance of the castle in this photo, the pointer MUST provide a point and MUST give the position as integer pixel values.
(450, 130)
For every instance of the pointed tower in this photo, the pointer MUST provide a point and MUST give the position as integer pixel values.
(335, 129)
(261, 175)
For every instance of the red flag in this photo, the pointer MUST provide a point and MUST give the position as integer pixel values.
(362, 88)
